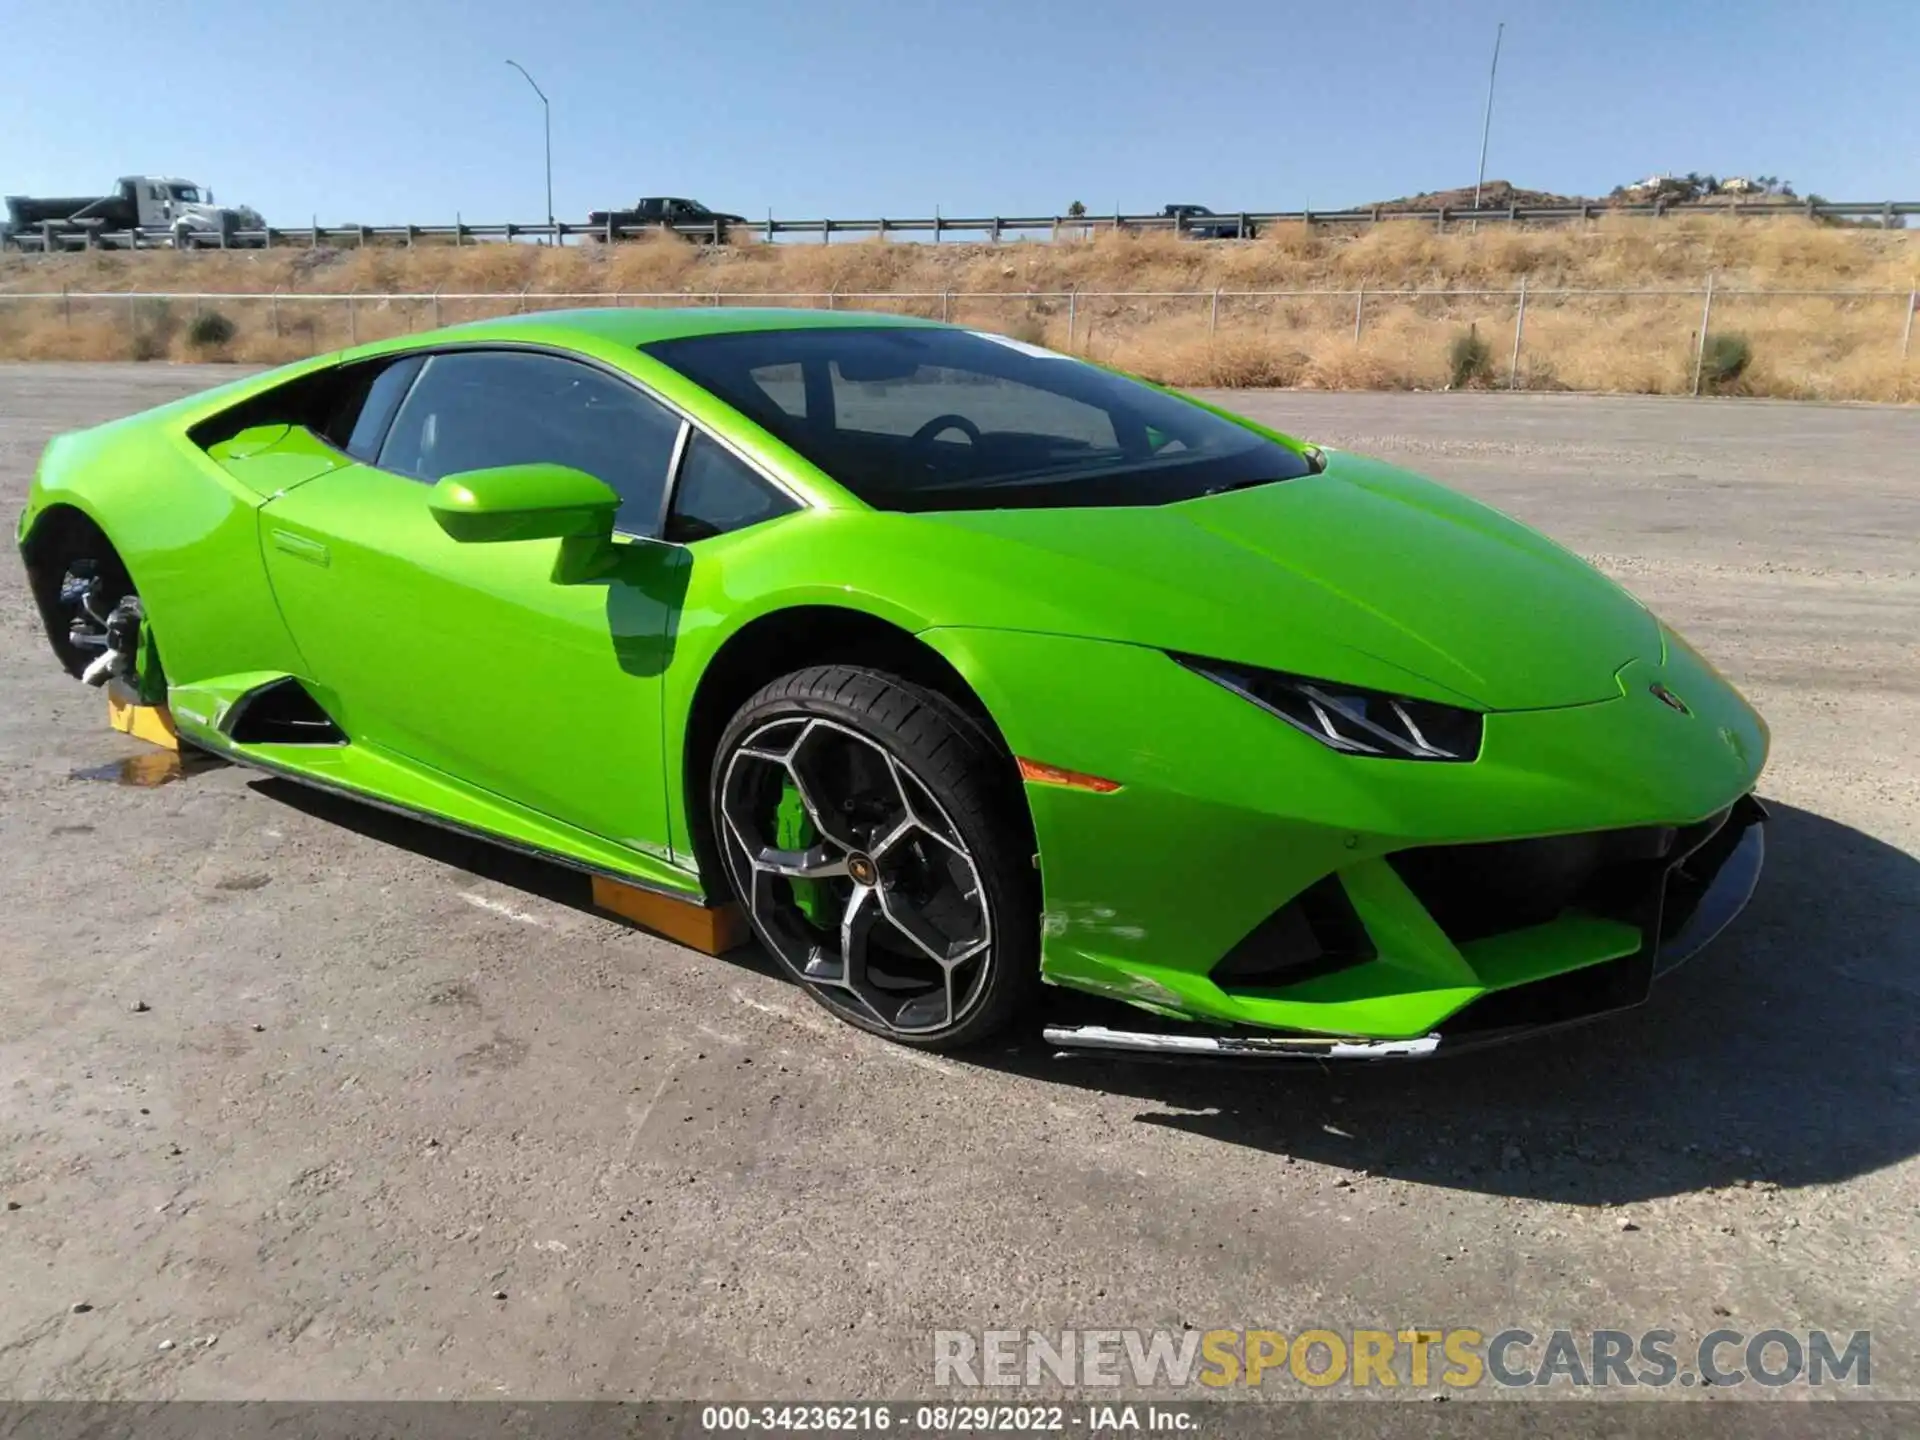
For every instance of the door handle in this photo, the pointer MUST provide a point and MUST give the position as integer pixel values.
(300, 547)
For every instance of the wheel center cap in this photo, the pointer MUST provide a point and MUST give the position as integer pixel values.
(862, 869)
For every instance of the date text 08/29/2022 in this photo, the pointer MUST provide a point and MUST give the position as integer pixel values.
(948, 1419)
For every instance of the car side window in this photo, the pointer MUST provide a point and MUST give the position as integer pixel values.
(347, 406)
(473, 409)
(719, 493)
(367, 409)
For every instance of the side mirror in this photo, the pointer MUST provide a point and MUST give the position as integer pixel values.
(524, 502)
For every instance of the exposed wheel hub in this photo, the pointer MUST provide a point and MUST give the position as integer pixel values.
(100, 625)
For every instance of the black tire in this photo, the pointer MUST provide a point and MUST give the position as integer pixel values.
(973, 786)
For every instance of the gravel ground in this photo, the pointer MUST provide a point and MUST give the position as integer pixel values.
(340, 1106)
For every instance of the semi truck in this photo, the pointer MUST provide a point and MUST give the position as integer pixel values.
(139, 210)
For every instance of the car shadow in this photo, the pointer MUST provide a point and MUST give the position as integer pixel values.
(646, 595)
(1783, 1053)
(487, 859)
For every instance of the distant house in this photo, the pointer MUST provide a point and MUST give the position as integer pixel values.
(1656, 188)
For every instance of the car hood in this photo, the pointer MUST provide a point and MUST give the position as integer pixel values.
(1363, 573)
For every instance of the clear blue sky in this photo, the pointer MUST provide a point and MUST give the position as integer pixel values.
(381, 111)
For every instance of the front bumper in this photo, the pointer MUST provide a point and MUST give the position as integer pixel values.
(1694, 894)
(1473, 893)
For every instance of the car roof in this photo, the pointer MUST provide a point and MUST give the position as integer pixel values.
(639, 325)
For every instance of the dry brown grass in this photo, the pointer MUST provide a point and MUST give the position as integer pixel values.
(1803, 346)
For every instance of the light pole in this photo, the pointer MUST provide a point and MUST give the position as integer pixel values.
(546, 111)
(1486, 127)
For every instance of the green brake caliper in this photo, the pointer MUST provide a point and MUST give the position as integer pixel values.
(793, 830)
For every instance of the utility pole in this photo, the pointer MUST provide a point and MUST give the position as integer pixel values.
(1486, 127)
(546, 111)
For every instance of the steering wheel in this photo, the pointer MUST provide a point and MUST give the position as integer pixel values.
(939, 425)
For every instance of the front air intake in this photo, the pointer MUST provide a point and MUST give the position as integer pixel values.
(1490, 887)
(1315, 933)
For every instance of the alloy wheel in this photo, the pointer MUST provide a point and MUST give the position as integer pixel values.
(855, 876)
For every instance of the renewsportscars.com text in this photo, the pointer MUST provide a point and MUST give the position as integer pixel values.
(1460, 1357)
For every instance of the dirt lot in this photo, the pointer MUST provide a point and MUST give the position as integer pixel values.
(386, 1078)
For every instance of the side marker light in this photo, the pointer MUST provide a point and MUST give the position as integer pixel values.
(1041, 773)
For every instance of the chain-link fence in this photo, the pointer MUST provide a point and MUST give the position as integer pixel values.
(1831, 344)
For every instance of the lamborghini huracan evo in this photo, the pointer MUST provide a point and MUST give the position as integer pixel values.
(964, 665)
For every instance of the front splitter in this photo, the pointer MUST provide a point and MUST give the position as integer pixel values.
(1084, 1038)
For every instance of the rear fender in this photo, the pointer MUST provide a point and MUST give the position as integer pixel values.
(186, 532)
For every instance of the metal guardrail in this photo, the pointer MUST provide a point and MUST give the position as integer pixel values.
(1243, 224)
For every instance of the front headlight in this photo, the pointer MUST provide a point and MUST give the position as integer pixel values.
(1349, 719)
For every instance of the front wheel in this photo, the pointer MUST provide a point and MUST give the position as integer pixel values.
(882, 851)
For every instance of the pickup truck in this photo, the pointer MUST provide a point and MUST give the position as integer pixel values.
(668, 210)
(1197, 222)
(162, 209)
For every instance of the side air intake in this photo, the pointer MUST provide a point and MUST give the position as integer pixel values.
(283, 713)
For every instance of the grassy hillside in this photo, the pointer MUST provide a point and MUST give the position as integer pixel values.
(1798, 345)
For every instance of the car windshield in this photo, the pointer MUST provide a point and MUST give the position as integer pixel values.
(939, 419)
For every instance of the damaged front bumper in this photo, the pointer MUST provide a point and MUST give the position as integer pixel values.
(1697, 890)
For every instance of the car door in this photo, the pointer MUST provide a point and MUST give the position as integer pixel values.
(473, 658)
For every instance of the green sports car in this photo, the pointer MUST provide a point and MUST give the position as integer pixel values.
(964, 665)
